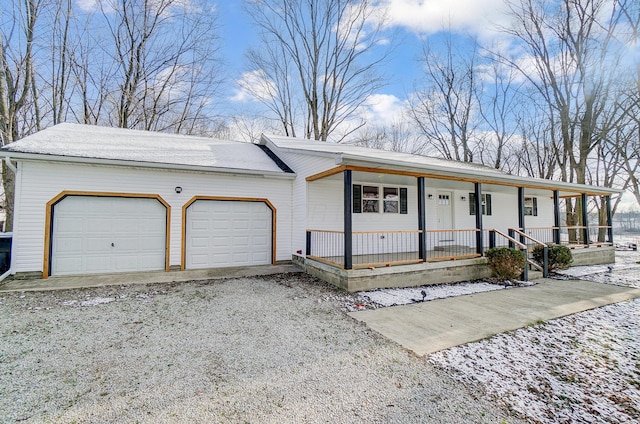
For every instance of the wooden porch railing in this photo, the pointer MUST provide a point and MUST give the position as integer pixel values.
(387, 248)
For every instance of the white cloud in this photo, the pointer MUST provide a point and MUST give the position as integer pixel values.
(383, 109)
(431, 16)
(253, 85)
(88, 5)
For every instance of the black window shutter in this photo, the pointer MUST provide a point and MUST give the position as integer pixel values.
(357, 198)
(403, 201)
(472, 203)
(535, 206)
(488, 209)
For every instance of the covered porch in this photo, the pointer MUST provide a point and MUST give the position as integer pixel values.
(361, 219)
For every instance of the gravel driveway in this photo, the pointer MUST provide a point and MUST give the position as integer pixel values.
(274, 349)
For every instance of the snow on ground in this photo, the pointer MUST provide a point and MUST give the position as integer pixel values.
(625, 272)
(581, 368)
(391, 297)
(382, 298)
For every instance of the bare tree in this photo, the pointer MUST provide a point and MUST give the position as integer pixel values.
(498, 100)
(536, 154)
(573, 66)
(158, 71)
(17, 85)
(396, 137)
(316, 55)
(630, 148)
(445, 107)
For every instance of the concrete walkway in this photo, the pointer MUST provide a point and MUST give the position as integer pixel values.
(440, 324)
(75, 282)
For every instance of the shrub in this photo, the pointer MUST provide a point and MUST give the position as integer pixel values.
(506, 263)
(559, 256)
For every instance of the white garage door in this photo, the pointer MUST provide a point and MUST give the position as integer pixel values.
(107, 234)
(222, 233)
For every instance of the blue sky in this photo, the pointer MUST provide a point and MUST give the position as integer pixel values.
(412, 20)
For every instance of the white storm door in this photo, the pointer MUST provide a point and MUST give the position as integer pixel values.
(227, 233)
(95, 234)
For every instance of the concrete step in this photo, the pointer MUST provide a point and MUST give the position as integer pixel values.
(534, 274)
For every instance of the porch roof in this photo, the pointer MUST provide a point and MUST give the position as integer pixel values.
(373, 160)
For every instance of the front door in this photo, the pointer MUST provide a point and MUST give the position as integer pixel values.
(444, 211)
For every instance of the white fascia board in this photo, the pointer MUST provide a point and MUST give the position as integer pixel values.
(137, 164)
(349, 159)
(266, 141)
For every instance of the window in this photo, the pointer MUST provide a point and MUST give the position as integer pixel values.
(367, 199)
(486, 204)
(391, 200)
(531, 206)
(370, 199)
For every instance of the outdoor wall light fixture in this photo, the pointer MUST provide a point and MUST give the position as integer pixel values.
(178, 190)
(430, 196)
(463, 198)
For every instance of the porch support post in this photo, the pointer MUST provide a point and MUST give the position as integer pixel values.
(607, 200)
(585, 219)
(422, 221)
(521, 211)
(348, 225)
(556, 217)
(478, 195)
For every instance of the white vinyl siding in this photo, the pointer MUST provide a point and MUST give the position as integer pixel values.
(304, 214)
(42, 181)
(227, 233)
(107, 234)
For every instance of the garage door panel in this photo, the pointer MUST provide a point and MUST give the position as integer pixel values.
(69, 244)
(220, 223)
(94, 234)
(199, 242)
(69, 225)
(71, 264)
(97, 244)
(91, 265)
(241, 241)
(200, 259)
(200, 224)
(238, 234)
(224, 242)
(150, 261)
(94, 224)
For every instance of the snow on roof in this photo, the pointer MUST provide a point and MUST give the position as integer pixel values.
(94, 142)
(345, 154)
(348, 151)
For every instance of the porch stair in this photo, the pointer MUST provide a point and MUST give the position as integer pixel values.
(534, 275)
(535, 271)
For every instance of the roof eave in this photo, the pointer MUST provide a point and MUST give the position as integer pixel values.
(499, 179)
(138, 164)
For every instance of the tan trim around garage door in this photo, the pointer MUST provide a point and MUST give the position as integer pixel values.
(183, 252)
(49, 212)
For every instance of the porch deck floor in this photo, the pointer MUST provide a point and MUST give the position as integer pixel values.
(428, 327)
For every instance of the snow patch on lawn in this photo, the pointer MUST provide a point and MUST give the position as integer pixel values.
(582, 368)
(625, 272)
(392, 297)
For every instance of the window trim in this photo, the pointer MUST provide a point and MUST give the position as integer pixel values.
(533, 207)
(359, 199)
(486, 204)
